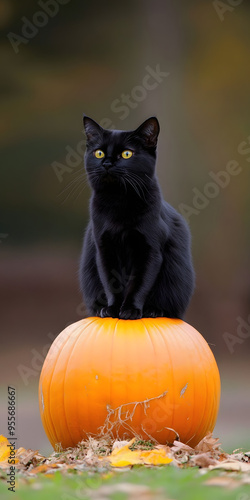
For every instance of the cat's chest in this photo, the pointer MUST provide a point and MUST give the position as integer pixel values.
(121, 242)
(123, 246)
(118, 211)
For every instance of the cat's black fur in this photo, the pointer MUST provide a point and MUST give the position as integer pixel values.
(136, 259)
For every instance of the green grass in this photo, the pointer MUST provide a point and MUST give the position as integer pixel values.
(163, 482)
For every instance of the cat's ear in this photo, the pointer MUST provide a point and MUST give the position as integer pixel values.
(149, 131)
(93, 131)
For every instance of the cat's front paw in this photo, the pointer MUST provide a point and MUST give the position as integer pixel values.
(130, 313)
(153, 313)
(109, 312)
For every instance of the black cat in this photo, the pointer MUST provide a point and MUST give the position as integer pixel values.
(136, 259)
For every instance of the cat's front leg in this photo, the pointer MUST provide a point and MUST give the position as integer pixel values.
(114, 293)
(112, 281)
(147, 267)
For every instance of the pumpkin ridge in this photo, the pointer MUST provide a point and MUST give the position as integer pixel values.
(149, 396)
(153, 346)
(203, 350)
(171, 364)
(49, 388)
(114, 334)
(190, 336)
(198, 429)
(65, 372)
(217, 389)
(212, 409)
(156, 364)
(93, 334)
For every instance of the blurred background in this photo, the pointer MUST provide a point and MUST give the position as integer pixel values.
(121, 62)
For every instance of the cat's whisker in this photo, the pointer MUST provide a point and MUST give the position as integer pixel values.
(70, 194)
(70, 189)
(80, 177)
(94, 177)
(150, 178)
(80, 192)
(123, 183)
(135, 184)
(73, 188)
(80, 181)
(141, 180)
(132, 183)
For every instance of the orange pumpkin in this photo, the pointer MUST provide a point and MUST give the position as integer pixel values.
(153, 378)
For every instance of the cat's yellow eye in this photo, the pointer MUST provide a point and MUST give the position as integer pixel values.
(99, 153)
(127, 154)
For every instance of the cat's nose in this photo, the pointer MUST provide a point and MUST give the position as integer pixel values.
(107, 164)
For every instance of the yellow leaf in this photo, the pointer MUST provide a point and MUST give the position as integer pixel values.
(4, 449)
(5, 453)
(118, 449)
(122, 457)
(155, 457)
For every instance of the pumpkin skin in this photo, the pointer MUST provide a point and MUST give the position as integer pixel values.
(159, 371)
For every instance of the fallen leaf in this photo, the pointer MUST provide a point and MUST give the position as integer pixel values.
(126, 446)
(208, 443)
(155, 457)
(179, 446)
(119, 444)
(234, 466)
(121, 457)
(203, 460)
(244, 457)
(223, 456)
(5, 452)
(4, 449)
(25, 456)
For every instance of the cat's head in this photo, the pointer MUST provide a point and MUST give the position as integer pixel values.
(120, 158)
